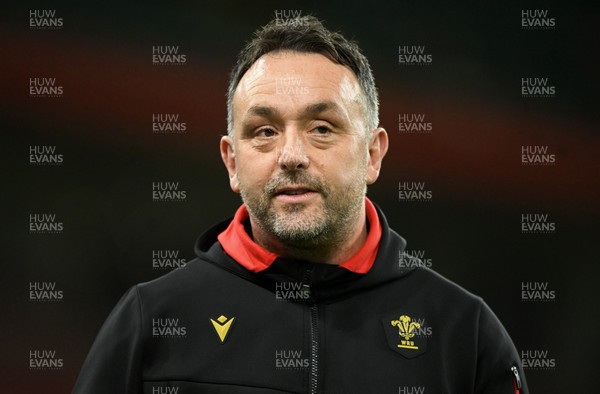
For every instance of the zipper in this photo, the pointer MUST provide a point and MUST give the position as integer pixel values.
(516, 379)
(314, 348)
(314, 335)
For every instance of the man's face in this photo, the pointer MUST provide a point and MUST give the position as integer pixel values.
(300, 154)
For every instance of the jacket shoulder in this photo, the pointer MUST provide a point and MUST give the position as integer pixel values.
(196, 275)
(433, 283)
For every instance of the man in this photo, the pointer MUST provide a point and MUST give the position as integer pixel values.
(302, 291)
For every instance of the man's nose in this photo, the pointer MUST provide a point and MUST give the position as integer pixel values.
(293, 155)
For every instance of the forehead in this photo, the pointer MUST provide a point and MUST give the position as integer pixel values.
(285, 79)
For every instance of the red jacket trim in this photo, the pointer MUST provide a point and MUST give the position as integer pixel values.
(237, 243)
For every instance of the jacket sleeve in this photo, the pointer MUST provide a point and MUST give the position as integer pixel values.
(496, 359)
(113, 364)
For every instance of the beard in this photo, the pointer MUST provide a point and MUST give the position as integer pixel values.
(322, 225)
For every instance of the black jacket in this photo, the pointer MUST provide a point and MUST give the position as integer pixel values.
(297, 327)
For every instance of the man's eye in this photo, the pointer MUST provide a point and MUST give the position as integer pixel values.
(322, 130)
(265, 133)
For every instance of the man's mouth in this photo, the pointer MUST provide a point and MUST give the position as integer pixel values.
(295, 193)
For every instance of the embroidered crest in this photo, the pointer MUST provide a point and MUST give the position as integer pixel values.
(406, 335)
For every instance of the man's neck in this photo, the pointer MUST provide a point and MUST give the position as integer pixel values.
(336, 251)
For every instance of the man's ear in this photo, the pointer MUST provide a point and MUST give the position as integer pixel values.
(378, 146)
(228, 156)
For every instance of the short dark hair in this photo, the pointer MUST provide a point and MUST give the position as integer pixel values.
(306, 34)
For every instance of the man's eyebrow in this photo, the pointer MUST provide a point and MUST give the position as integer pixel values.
(317, 108)
(260, 110)
(309, 110)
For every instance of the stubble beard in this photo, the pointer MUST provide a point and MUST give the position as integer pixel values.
(309, 228)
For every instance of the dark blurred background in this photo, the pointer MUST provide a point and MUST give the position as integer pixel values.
(471, 161)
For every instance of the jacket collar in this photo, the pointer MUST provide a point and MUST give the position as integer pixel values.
(327, 282)
(237, 243)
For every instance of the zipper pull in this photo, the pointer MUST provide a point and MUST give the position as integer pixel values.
(306, 291)
(515, 372)
(306, 288)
